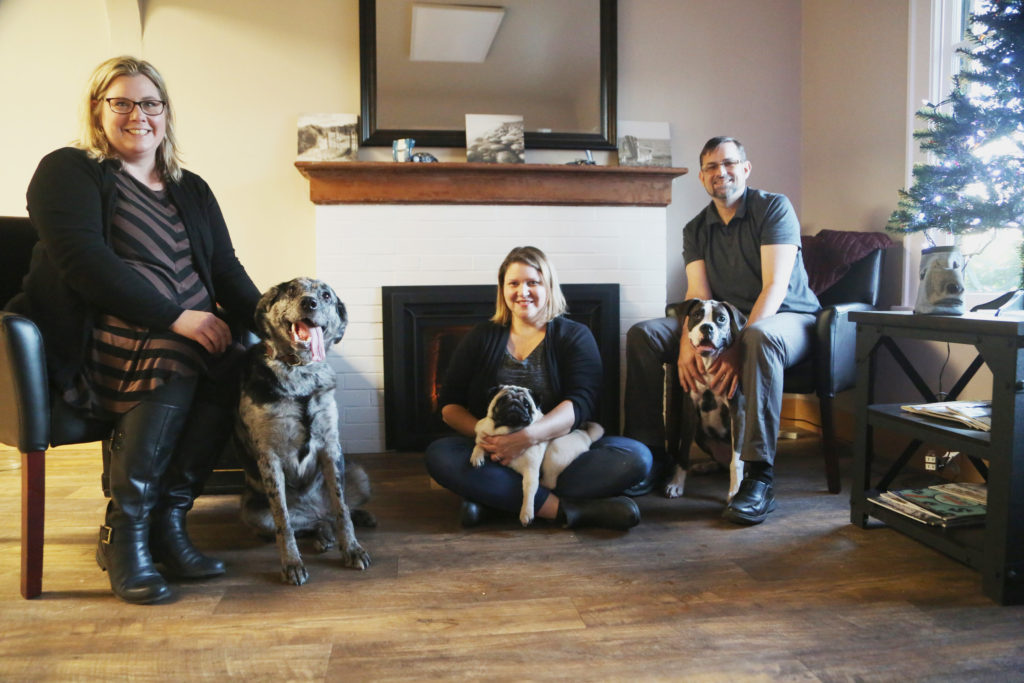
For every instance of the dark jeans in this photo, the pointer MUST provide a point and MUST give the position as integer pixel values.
(611, 466)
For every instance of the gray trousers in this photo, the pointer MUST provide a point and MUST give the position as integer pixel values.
(767, 347)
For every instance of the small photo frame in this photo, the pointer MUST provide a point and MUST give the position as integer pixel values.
(495, 139)
(644, 143)
(328, 137)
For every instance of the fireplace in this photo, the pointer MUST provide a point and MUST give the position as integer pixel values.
(424, 324)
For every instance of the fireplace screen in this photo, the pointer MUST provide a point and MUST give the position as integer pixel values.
(424, 324)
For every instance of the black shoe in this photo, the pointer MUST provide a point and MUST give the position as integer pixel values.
(470, 514)
(655, 478)
(619, 513)
(751, 504)
(171, 547)
(124, 554)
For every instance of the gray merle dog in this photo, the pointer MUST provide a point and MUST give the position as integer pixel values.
(287, 432)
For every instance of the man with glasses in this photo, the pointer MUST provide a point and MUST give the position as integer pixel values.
(743, 248)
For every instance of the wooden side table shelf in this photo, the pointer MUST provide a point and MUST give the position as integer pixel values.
(997, 548)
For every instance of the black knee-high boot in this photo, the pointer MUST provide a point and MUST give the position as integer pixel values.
(140, 451)
(201, 443)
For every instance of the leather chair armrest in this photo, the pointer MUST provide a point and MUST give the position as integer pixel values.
(835, 361)
(24, 393)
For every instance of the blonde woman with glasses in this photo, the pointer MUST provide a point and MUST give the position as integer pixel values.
(131, 275)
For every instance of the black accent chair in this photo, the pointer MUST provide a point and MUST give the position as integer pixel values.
(832, 367)
(32, 420)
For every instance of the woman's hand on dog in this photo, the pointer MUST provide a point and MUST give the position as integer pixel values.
(205, 328)
(504, 448)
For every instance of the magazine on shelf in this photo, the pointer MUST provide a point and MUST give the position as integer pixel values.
(969, 490)
(936, 505)
(973, 414)
(906, 509)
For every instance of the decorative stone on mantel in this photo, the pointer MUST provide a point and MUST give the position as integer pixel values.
(340, 182)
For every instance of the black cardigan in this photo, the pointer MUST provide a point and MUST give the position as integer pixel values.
(75, 274)
(572, 356)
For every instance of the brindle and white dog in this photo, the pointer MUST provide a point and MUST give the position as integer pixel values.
(287, 432)
(712, 420)
(512, 409)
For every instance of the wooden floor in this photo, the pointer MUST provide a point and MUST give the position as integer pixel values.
(685, 596)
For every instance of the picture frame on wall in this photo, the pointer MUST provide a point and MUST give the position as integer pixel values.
(495, 139)
(644, 143)
(328, 137)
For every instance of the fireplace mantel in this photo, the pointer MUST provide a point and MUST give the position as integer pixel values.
(339, 182)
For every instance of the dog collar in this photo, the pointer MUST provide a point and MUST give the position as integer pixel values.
(291, 359)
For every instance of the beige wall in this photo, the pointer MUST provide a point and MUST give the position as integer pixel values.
(730, 67)
(240, 73)
(815, 88)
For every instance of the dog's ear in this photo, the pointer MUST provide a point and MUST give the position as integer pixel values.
(736, 319)
(263, 329)
(342, 319)
(681, 309)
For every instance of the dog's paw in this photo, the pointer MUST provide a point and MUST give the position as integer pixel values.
(362, 518)
(355, 557)
(673, 491)
(674, 487)
(295, 574)
(526, 516)
(477, 459)
(324, 538)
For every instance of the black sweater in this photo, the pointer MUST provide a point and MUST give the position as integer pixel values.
(75, 274)
(572, 356)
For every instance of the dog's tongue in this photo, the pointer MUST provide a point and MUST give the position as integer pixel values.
(313, 334)
(316, 343)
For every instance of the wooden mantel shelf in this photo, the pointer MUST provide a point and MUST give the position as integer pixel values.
(359, 182)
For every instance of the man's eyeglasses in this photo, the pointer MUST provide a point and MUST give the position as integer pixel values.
(121, 105)
(728, 165)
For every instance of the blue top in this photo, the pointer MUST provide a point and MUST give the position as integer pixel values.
(732, 253)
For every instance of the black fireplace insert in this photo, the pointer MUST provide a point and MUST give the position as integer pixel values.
(424, 324)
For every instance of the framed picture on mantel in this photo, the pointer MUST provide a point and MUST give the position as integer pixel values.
(328, 137)
(495, 139)
(644, 143)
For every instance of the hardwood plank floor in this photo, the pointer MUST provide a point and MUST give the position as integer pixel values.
(805, 596)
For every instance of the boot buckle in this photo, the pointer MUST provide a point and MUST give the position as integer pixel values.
(106, 534)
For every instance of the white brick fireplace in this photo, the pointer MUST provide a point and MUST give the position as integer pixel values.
(364, 246)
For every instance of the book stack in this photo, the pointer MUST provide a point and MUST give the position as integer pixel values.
(944, 505)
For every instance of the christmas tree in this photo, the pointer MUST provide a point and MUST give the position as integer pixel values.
(974, 180)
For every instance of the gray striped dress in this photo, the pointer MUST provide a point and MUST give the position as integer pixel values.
(125, 361)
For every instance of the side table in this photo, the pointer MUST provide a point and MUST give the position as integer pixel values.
(997, 548)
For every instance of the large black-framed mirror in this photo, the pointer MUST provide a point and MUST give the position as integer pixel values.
(401, 98)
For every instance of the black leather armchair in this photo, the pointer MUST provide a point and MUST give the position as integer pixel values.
(32, 420)
(845, 270)
(28, 419)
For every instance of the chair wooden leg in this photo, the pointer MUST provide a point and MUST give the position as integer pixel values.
(33, 505)
(829, 448)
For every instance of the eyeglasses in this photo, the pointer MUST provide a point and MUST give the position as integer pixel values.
(121, 105)
(728, 165)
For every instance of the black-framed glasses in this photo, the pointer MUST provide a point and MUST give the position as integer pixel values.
(122, 105)
(727, 164)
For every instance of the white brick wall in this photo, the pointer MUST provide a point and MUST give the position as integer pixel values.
(361, 248)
